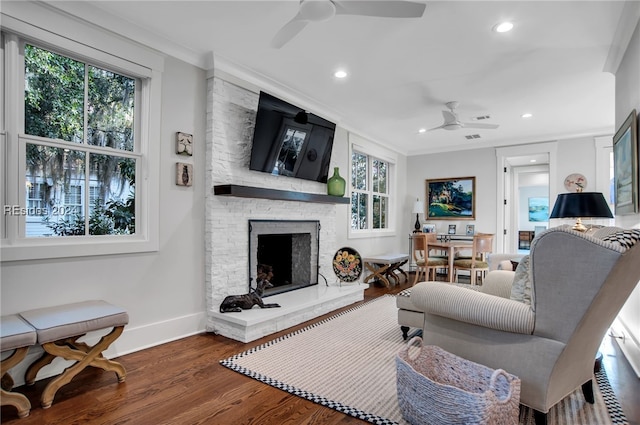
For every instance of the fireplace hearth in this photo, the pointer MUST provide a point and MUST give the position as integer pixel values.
(290, 248)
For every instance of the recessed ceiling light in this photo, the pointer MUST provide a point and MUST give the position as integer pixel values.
(422, 130)
(527, 115)
(340, 73)
(503, 27)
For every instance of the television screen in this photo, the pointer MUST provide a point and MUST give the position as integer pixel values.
(288, 141)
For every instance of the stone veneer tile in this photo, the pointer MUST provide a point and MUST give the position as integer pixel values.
(231, 114)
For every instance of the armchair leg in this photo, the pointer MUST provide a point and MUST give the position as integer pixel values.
(539, 417)
(587, 390)
(405, 332)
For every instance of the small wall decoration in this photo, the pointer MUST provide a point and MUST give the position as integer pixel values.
(451, 199)
(471, 229)
(539, 209)
(184, 143)
(452, 229)
(184, 174)
(625, 166)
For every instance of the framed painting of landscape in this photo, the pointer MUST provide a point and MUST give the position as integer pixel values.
(451, 199)
(625, 166)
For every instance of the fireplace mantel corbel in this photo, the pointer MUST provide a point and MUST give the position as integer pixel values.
(276, 194)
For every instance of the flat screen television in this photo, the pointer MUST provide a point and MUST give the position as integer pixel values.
(288, 141)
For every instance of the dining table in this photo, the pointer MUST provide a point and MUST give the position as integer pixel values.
(451, 247)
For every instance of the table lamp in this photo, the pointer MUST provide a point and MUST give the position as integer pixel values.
(581, 204)
(418, 207)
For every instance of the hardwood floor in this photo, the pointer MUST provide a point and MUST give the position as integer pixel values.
(182, 382)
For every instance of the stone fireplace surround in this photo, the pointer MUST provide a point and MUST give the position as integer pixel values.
(231, 114)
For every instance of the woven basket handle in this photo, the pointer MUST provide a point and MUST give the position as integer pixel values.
(494, 378)
(416, 340)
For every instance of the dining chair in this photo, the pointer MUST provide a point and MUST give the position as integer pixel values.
(426, 264)
(481, 247)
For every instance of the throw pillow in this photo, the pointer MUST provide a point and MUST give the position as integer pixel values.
(603, 232)
(521, 288)
(625, 238)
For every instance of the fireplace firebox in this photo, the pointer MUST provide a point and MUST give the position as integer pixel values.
(290, 248)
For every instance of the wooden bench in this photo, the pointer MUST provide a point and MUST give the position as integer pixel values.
(385, 267)
(15, 335)
(58, 330)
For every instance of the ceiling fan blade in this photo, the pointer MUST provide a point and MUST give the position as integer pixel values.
(479, 125)
(287, 32)
(437, 128)
(383, 9)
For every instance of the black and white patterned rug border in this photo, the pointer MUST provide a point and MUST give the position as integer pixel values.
(611, 401)
(351, 411)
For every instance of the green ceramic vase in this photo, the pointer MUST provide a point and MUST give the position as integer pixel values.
(336, 184)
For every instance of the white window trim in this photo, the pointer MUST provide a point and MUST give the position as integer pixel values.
(148, 67)
(358, 144)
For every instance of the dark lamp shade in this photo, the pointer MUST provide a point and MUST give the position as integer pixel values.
(581, 204)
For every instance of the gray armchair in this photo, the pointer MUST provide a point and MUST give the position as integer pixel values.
(578, 283)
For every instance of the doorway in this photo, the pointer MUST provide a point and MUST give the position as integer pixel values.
(524, 176)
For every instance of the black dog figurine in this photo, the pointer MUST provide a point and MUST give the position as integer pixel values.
(237, 303)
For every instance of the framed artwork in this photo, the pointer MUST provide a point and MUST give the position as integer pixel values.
(539, 209)
(452, 229)
(625, 166)
(184, 143)
(471, 229)
(451, 199)
(184, 174)
(429, 228)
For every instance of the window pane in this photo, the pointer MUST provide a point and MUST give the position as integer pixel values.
(382, 176)
(112, 183)
(359, 210)
(53, 95)
(379, 176)
(359, 171)
(59, 174)
(110, 116)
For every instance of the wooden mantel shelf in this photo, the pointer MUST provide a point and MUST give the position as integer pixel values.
(275, 194)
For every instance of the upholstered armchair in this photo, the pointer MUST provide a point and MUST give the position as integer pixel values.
(563, 298)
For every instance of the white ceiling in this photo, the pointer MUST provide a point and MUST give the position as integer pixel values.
(402, 71)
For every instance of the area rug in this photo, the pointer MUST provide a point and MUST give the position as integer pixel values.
(347, 363)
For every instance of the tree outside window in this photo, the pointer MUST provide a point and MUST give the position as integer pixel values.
(369, 192)
(79, 147)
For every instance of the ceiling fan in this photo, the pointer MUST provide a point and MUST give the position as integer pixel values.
(451, 121)
(322, 10)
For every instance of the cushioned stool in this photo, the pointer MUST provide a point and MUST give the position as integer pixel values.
(16, 335)
(59, 328)
(408, 315)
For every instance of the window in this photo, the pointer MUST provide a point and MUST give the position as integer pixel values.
(369, 192)
(81, 115)
(77, 129)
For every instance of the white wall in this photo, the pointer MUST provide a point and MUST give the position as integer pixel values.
(162, 291)
(480, 163)
(628, 98)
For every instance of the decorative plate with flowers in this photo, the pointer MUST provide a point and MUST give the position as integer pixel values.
(347, 264)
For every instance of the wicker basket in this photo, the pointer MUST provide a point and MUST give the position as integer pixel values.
(437, 387)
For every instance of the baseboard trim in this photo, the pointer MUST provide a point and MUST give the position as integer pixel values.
(132, 339)
(628, 345)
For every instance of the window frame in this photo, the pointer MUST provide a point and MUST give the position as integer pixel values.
(134, 61)
(372, 153)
